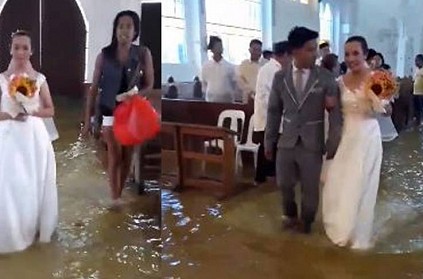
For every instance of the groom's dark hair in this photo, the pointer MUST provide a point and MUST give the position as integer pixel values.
(299, 36)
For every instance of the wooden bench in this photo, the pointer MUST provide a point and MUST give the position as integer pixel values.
(185, 148)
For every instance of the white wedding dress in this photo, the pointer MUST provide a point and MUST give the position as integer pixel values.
(28, 193)
(352, 179)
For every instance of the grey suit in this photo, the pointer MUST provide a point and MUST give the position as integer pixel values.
(302, 143)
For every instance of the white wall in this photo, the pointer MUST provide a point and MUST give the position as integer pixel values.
(100, 15)
(394, 29)
(287, 14)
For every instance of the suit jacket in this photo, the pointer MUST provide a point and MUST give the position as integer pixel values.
(303, 117)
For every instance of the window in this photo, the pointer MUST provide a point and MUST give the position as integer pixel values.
(173, 32)
(236, 22)
(326, 22)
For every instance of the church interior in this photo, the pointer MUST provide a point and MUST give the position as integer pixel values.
(218, 222)
(199, 201)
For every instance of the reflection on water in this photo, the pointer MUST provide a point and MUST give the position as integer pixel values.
(92, 241)
(242, 237)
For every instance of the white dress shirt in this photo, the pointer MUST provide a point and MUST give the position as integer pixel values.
(219, 81)
(263, 87)
(247, 77)
(306, 75)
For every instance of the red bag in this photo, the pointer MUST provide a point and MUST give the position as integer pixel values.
(135, 121)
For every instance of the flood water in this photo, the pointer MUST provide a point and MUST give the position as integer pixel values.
(91, 241)
(202, 237)
(242, 237)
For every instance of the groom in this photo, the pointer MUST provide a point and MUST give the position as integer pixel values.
(300, 94)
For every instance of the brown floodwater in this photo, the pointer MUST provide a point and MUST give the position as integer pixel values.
(91, 240)
(242, 237)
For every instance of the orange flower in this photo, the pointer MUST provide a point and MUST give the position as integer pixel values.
(22, 84)
(382, 84)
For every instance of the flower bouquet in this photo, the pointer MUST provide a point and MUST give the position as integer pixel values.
(381, 88)
(22, 89)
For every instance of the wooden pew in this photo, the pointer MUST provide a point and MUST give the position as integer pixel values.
(182, 134)
(201, 112)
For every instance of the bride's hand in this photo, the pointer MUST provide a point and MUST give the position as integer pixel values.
(21, 117)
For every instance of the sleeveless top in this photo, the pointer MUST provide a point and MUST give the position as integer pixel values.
(117, 78)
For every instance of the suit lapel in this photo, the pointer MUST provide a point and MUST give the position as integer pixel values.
(311, 83)
(289, 83)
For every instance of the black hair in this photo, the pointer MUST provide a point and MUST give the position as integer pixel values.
(419, 56)
(371, 53)
(344, 68)
(362, 41)
(267, 52)
(330, 61)
(213, 40)
(281, 48)
(381, 57)
(323, 45)
(299, 36)
(386, 67)
(110, 50)
(255, 41)
(21, 33)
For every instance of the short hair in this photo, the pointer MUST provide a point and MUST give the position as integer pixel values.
(419, 57)
(255, 42)
(267, 52)
(213, 40)
(323, 45)
(299, 36)
(329, 61)
(281, 48)
(363, 43)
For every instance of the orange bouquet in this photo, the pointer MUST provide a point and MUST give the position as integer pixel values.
(22, 84)
(382, 84)
(22, 88)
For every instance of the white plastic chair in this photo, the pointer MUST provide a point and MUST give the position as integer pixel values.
(234, 116)
(248, 146)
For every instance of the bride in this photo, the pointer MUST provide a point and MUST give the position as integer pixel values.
(28, 193)
(352, 180)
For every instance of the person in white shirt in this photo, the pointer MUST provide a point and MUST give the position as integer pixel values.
(218, 75)
(267, 55)
(248, 70)
(281, 59)
(418, 88)
(324, 49)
